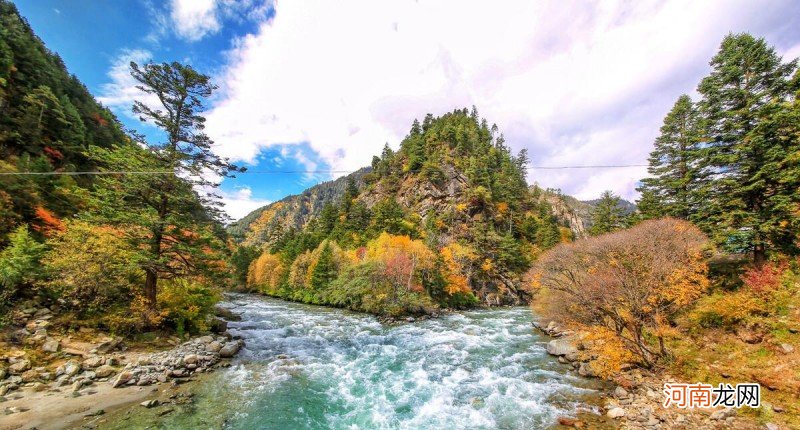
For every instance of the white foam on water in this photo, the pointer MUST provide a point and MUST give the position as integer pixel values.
(479, 369)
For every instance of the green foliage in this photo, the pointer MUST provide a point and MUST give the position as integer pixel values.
(92, 268)
(19, 264)
(240, 259)
(324, 271)
(187, 304)
(729, 162)
(607, 215)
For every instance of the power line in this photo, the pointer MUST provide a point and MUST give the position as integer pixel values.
(288, 172)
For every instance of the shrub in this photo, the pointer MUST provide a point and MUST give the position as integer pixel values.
(186, 304)
(19, 264)
(632, 283)
(92, 267)
(765, 291)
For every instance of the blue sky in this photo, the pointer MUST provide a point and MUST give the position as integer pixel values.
(320, 85)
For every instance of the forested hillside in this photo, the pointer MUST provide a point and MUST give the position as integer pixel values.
(94, 245)
(447, 220)
(48, 120)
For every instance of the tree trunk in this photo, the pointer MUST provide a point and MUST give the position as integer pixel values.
(759, 255)
(150, 290)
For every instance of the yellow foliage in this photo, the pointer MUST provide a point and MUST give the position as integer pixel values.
(457, 262)
(606, 352)
(265, 273)
(487, 265)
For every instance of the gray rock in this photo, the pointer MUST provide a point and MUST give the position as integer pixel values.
(585, 370)
(772, 426)
(616, 413)
(214, 346)
(109, 345)
(19, 367)
(71, 368)
(93, 362)
(50, 345)
(561, 347)
(149, 403)
(205, 339)
(190, 359)
(104, 371)
(123, 378)
(620, 392)
(3, 373)
(786, 348)
(229, 349)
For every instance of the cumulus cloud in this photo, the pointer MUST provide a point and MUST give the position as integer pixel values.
(194, 19)
(120, 93)
(241, 202)
(577, 83)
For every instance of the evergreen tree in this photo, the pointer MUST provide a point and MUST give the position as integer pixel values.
(747, 77)
(325, 270)
(607, 215)
(164, 213)
(673, 163)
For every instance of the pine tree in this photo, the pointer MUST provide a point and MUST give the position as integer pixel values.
(607, 215)
(673, 163)
(747, 75)
(325, 270)
(164, 214)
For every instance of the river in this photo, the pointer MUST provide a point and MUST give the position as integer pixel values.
(309, 367)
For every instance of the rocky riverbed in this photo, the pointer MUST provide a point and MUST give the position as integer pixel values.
(639, 403)
(39, 366)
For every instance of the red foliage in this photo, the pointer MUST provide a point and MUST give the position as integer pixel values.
(53, 154)
(764, 279)
(48, 221)
(102, 122)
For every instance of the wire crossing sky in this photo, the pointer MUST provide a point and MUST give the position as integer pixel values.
(317, 88)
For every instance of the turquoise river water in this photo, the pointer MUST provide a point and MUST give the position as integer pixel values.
(309, 367)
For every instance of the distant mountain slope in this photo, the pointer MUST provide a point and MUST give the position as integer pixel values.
(266, 223)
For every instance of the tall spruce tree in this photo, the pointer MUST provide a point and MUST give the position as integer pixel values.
(747, 78)
(673, 165)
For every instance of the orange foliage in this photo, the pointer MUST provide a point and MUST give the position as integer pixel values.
(49, 223)
(402, 258)
(633, 283)
(458, 260)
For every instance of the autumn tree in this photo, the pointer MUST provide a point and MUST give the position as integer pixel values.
(625, 288)
(171, 213)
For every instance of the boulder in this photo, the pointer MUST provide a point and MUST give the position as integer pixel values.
(71, 368)
(149, 403)
(109, 345)
(226, 314)
(29, 375)
(786, 348)
(205, 339)
(19, 366)
(230, 349)
(190, 359)
(722, 414)
(560, 347)
(620, 392)
(50, 345)
(585, 370)
(218, 325)
(123, 378)
(104, 371)
(93, 362)
(616, 413)
(214, 346)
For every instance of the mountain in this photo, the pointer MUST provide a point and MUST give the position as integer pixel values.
(453, 188)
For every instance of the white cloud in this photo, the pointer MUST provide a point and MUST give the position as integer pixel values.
(120, 93)
(241, 202)
(575, 83)
(194, 19)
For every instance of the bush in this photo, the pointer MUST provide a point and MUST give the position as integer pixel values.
(186, 304)
(19, 265)
(632, 284)
(764, 292)
(92, 267)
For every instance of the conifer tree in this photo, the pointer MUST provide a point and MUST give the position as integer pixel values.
(747, 77)
(607, 215)
(673, 164)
